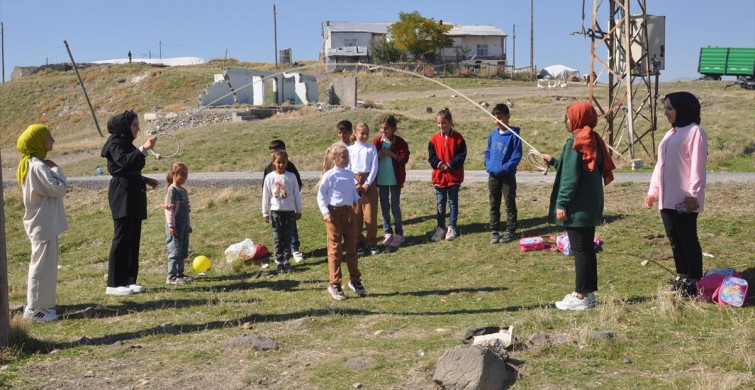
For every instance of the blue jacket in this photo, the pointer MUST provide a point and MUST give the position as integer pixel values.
(503, 153)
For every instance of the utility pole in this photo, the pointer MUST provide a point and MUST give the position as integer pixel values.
(275, 36)
(513, 61)
(532, 39)
(161, 50)
(2, 45)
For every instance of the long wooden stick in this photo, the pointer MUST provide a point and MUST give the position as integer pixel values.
(82, 87)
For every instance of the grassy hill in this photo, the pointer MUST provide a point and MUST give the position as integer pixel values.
(56, 99)
(420, 298)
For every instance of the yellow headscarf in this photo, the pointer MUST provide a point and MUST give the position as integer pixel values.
(31, 143)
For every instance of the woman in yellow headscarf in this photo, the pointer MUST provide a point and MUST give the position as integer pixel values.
(43, 185)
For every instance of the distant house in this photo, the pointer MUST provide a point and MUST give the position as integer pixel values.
(351, 42)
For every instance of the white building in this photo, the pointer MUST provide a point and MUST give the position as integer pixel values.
(351, 42)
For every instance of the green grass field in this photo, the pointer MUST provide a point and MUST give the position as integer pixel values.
(420, 298)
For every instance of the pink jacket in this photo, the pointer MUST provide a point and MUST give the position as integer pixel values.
(680, 171)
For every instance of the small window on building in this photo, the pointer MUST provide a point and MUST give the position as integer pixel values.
(351, 42)
(482, 50)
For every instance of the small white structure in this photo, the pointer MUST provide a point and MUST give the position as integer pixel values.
(249, 86)
(558, 72)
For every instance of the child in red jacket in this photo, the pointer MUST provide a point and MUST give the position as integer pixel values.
(447, 152)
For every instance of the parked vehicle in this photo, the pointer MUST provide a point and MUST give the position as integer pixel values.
(728, 61)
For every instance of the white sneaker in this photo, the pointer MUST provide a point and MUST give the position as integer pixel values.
(298, 256)
(439, 234)
(122, 290)
(137, 288)
(451, 234)
(572, 302)
(41, 315)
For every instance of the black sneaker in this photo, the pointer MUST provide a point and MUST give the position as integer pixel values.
(494, 237)
(508, 236)
(689, 289)
(280, 269)
(677, 283)
(358, 288)
(287, 268)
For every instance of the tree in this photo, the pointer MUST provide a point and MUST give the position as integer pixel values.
(420, 37)
(384, 52)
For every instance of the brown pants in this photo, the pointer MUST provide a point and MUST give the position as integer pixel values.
(344, 228)
(367, 211)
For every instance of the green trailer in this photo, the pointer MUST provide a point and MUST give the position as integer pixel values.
(728, 61)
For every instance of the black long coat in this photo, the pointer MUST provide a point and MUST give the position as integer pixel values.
(127, 193)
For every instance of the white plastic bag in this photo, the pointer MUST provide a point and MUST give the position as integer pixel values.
(240, 251)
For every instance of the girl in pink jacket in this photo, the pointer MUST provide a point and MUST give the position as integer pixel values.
(678, 182)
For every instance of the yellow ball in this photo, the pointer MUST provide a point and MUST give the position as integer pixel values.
(200, 264)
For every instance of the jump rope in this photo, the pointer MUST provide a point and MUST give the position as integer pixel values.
(534, 157)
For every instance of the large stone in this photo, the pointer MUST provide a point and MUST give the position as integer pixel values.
(467, 367)
(254, 341)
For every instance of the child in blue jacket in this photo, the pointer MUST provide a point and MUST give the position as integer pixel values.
(502, 156)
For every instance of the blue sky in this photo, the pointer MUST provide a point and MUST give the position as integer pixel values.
(34, 30)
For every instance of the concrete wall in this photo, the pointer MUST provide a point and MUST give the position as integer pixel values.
(249, 86)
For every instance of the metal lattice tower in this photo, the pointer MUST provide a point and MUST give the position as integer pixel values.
(630, 110)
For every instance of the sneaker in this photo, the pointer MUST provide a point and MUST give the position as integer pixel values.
(185, 278)
(374, 250)
(689, 289)
(358, 287)
(677, 283)
(122, 290)
(280, 269)
(41, 315)
(298, 256)
(287, 268)
(572, 302)
(174, 279)
(388, 241)
(336, 292)
(265, 264)
(451, 234)
(591, 299)
(508, 236)
(494, 237)
(440, 234)
(138, 288)
(360, 251)
(397, 240)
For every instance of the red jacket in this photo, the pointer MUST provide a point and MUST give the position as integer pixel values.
(401, 148)
(451, 150)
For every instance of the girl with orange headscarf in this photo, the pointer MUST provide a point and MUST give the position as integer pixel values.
(577, 198)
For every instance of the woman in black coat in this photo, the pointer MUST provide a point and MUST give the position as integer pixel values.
(127, 196)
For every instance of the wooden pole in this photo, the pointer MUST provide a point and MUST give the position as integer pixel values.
(4, 313)
(82, 87)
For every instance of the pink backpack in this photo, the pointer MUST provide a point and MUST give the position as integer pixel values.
(562, 241)
(712, 281)
(527, 244)
(732, 292)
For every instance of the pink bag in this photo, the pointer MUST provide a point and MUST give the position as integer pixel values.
(732, 292)
(562, 241)
(712, 281)
(527, 244)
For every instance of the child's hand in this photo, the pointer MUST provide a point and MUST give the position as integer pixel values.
(191, 230)
(561, 215)
(546, 158)
(365, 187)
(298, 217)
(267, 219)
(649, 200)
(172, 230)
(327, 218)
